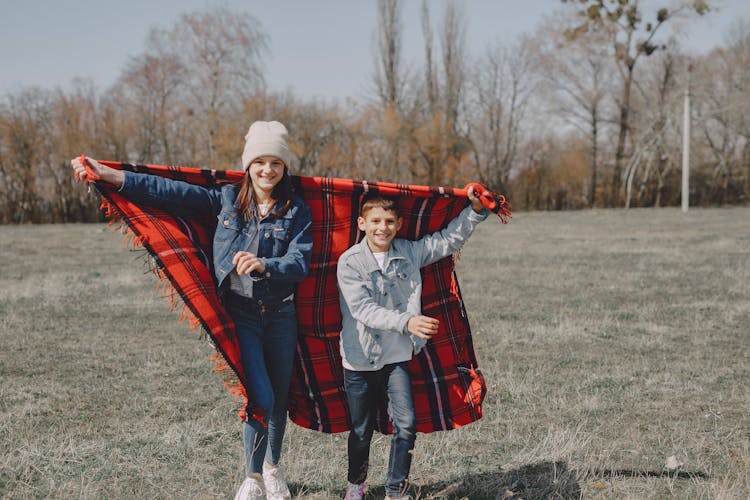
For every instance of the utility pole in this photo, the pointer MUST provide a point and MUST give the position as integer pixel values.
(686, 152)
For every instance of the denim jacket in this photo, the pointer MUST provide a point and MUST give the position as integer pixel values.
(375, 303)
(284, 244)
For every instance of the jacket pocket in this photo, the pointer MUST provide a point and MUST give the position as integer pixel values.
(228, 224)
(375, 289)
(404, 283)
(227, 230)
(281, 235)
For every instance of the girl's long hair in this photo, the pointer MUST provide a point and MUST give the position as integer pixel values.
(281, 195)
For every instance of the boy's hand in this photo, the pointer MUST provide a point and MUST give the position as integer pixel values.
(423, 327)
(476, 203)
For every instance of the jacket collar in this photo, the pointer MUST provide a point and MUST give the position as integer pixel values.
(275, 209)
(370, 264)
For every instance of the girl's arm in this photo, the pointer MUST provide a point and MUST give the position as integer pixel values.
(177, 197)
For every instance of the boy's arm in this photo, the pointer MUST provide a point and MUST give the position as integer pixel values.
(447, 241)
(362, 307)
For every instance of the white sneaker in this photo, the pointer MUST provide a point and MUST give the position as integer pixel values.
(251, 489)
(355, 491)
(276, 487)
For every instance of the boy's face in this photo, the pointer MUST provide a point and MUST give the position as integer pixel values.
(380, 227)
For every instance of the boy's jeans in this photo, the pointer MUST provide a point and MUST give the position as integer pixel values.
(268, 340)
(363, 390)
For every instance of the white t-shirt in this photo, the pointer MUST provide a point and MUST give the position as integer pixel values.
(380, 259)
(243, 285)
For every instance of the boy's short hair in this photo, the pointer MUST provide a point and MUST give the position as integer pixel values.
(373, 200)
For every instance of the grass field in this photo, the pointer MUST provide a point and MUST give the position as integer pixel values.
(614, 344)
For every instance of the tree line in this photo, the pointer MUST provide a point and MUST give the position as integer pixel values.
(584, 112)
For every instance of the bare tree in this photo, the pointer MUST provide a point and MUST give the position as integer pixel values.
(437, 139)
(577, 73)
(317, 130)
(738, 42)
(453, 37)
(388, 78)
(151, 85)
(430, 77)
(73, 131)
(656, 128)
(631, 38)
(722, 115)
(221, 53)
(25, 119)
(500, 97)
(390, 89)
(425, 118)
(115, 126)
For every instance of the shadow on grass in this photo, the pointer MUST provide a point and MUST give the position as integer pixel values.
(542, 480)
(682, 474)
(303, 491)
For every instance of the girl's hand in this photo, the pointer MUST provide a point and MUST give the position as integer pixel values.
(105, 173)
(247, 262)
(476, 203)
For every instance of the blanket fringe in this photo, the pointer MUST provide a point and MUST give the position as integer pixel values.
(236, 389)
(136, 242)
(116, 221)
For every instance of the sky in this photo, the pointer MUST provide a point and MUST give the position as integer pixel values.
(319, 48)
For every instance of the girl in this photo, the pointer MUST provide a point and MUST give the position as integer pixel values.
(261, 250)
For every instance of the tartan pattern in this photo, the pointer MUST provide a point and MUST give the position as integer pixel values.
(447, 384)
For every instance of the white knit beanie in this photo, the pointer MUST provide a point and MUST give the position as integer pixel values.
(266, 139)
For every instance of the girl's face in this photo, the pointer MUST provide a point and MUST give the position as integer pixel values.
(265, 172)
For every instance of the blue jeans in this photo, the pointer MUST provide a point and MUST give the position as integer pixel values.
(363, 390)
(268, 339)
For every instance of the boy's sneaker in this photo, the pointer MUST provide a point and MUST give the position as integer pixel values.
(402, 497)
(355, 491)
(276, 487)
(251, 489)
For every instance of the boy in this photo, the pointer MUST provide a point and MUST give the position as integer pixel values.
(382, 325)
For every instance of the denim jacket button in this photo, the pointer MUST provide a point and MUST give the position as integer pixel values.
(226, 222)
(267, 235)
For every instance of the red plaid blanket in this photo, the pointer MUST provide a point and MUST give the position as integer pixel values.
(447, 383)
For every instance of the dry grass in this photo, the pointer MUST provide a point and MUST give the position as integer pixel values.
(611, 341)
